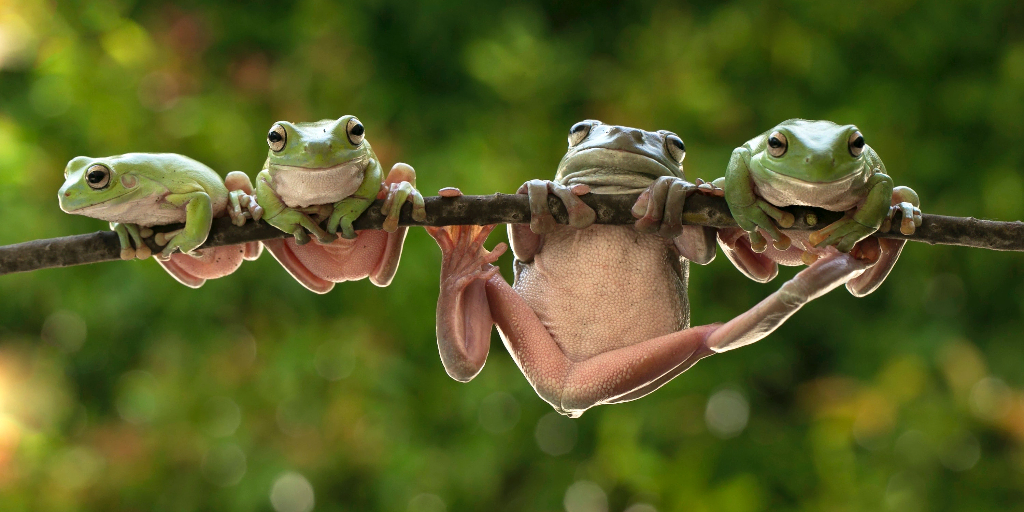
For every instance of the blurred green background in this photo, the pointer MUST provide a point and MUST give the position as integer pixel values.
(123, 390)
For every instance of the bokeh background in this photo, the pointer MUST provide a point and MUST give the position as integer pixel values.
(123, 390)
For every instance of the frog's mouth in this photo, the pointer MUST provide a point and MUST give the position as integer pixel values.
(612, 171)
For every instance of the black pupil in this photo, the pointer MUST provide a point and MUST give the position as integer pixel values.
(357, 130)
(858, 142)
(274, 137)
(679, 144)
(775, 142)
(96, 176)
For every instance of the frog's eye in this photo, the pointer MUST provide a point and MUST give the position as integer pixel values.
(578, 132)
(277, 138)
(356, 132)
(98, 176)
(856, 143)
(777, 144)
(676, 148)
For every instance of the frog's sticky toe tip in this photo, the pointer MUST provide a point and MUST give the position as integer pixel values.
(449, 192)
(787, 220)
(143, 252)
(127, 254)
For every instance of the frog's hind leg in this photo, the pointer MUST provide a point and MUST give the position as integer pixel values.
(193, 270)
(283, 253)
(735, 244)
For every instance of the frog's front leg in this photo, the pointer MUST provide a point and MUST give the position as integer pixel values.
(350, 208)
(289, 220)
(198, 219)
(128, 233)
(845, 233)
(906, 202)
(659, 209)
(527, 238)
(750, 211)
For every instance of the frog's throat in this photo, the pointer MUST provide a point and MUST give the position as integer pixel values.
(838, 195)
(300, 186)
(611, 171)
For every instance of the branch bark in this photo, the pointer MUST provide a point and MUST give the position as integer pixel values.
(504, 209)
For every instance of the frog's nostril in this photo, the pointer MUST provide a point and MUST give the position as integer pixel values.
(637, 135)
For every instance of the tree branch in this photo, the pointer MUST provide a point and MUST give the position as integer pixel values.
(504, 209)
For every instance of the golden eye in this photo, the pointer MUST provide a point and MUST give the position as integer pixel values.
(356, 132)
(777, 144)
(277, 138)
(579, 131)
(856, 143)
(98, 176)
(676, 148)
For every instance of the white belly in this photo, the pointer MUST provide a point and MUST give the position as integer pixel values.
(301, 187)
(604, 287)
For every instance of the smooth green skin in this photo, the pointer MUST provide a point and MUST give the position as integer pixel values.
(318, 145)
(143, 187)
(817, 152)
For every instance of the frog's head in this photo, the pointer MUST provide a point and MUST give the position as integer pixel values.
(98, 184)
(317, 146)
(617, 159)
(814, 151)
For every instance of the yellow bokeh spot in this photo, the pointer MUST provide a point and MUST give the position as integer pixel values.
(128, 44)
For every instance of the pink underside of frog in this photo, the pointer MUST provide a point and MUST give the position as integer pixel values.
(318, 266)
(210, 263)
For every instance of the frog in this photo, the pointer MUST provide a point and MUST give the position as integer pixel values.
(821, 164)
(599, 314)
(136, 191)
(327, 170)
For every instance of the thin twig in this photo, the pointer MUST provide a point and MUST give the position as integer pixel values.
(504, 209)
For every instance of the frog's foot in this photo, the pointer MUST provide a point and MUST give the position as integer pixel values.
(178, 239)
(449, 192)
(129, 234)
(400, 186)
(764, 215)
(843, 234)
(299, 224)
(735, 244)
(241, 201)
(541, 220)
(463, 257)
(905, 202)
(659, 209)
(711, 188)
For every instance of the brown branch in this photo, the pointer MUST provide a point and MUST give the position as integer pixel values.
(503, 209)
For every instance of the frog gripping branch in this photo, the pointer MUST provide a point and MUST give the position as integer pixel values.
(820, 164)
(561, 319)
(327, 171)
(136, 191)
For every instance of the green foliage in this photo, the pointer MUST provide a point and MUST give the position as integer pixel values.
(122, 390)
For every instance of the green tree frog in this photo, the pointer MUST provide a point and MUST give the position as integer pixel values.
(327, 170)
(599, 314)
(812, 163)
(135, 191)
